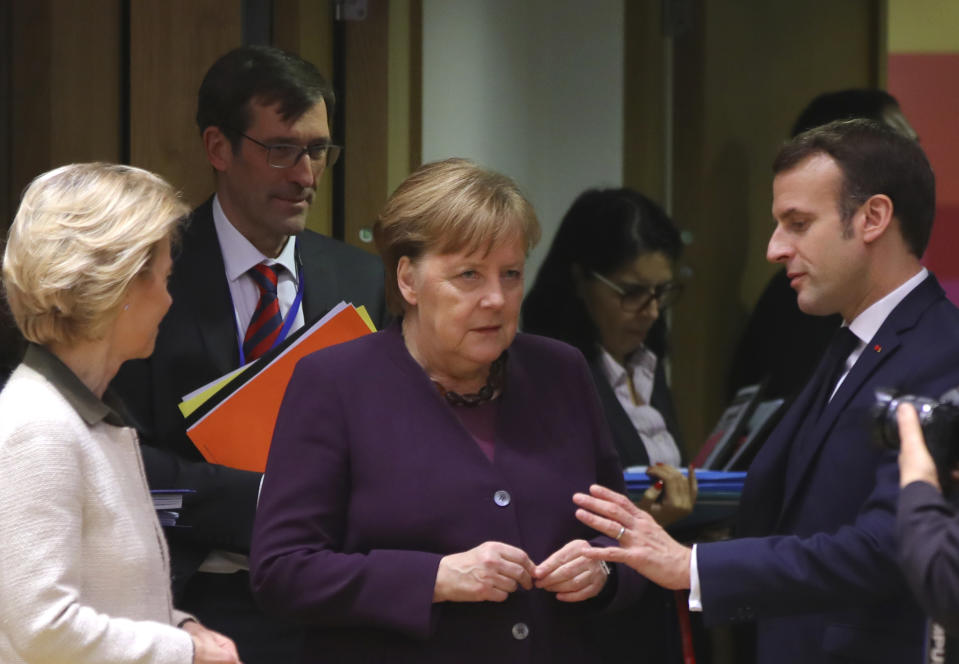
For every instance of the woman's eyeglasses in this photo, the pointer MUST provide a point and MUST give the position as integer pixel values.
(636, 298)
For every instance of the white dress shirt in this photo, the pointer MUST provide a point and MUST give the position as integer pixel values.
(648, 422)
(239, 255)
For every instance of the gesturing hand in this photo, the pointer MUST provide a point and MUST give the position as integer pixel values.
(486, 573)
(643, 544)
(210, 647)
(570, 574)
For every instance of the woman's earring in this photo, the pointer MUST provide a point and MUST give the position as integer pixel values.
(126, 307)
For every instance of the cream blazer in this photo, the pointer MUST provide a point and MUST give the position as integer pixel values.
(84, 569)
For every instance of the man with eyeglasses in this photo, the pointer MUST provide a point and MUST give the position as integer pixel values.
(248, 273)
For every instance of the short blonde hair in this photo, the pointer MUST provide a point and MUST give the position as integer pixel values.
(448, 206)
(82, 233)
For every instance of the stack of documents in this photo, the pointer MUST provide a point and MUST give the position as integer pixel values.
(167, 503)
(231, 420)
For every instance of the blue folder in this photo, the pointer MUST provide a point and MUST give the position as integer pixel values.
(716, 502)
(709, 481)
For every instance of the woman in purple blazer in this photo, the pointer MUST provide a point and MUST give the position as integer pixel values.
(416, 503)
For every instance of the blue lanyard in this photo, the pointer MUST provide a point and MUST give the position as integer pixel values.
(290, 315)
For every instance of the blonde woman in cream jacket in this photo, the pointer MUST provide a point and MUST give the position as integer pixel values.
(84, 570)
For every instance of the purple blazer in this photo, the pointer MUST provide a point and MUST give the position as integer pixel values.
(372, 479)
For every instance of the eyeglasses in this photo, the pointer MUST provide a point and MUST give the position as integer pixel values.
(282, 155)
(637, 298)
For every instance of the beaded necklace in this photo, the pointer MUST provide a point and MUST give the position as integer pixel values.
(494, 384)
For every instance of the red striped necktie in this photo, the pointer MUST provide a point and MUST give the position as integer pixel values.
(266, 322)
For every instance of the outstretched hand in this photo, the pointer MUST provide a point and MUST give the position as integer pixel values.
(643, 544)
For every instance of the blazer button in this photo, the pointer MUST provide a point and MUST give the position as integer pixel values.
(520, 631)
(502, 499)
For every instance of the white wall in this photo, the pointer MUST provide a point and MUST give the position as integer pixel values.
(530, 88)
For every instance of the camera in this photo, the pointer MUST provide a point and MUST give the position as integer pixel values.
(939, 419)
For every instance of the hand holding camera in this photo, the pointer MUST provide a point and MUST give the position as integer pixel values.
(915, 462)
(926, 433)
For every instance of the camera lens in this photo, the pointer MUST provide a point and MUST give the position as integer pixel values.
(939, 420)
(887, 426)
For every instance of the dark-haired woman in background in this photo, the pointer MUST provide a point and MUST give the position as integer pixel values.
(606, 280)
(608, 276)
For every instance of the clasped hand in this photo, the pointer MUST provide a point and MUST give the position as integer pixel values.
(493, 570)
(210, 647)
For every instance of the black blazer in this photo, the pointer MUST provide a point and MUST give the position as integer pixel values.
(928, 544)
(628, 443)
(197, 342)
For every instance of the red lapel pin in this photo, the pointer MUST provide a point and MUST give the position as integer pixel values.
(877, 348)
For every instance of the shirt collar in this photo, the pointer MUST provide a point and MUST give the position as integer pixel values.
(642, 357)
(866, 324)
(78, 395)
(239, 254)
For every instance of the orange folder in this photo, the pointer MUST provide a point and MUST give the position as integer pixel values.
(238, 431)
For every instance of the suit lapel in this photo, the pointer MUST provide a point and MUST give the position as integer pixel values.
(877, 351)
(447, 425)
(628, 443)
(200, 287)
(763, 490)
(815, 437)
(320, 289)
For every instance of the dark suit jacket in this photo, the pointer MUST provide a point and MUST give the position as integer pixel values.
(928, 530)
(372, 479)
(197, 343)
(628, 443)
(817, 567)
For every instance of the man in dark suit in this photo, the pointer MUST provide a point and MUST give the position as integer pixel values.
(264, 118)
(815, 562)
(776, 320)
